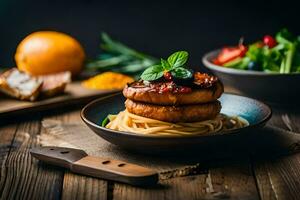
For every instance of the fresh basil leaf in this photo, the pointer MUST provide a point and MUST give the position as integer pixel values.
(153, 73)
(178, 59)
(181, 73)
(165, 64)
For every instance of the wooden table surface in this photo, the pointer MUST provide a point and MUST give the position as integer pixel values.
(23, 178)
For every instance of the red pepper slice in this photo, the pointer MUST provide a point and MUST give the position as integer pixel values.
(230, 53)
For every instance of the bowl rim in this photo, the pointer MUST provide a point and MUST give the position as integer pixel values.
(83, 115)
(208, 64)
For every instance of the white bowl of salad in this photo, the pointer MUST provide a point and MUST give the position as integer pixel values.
(268, 69)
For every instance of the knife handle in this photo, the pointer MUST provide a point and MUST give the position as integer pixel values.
(79, 162)
(115, 170)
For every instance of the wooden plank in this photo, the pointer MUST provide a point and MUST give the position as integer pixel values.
(7, 134)
(192, 187)
(22, 176)
(235, 182)
(83, 187)
(279, 178)
(287, 117)
(229, 182)
(77, 186)
(74, 94)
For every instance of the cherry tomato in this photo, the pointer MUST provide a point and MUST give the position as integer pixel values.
(168, 76)
(269, 41)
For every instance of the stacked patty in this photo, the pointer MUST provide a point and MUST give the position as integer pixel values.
(172, 101)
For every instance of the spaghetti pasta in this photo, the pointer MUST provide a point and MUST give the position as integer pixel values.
(126, 121)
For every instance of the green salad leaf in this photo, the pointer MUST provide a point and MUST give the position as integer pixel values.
(284, 57)
(285, 37)
(296, 62)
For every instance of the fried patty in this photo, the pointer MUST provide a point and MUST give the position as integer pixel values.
(196, 96)
(175, 114)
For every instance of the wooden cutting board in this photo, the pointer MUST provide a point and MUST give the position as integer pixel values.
(74, 94)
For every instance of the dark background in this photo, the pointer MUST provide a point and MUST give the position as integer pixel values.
(155, 27)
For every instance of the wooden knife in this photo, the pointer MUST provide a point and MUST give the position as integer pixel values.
(78, 161)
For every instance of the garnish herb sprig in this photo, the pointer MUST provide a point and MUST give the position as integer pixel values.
(175, 64)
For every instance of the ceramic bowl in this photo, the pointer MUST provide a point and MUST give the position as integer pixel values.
(273, 88)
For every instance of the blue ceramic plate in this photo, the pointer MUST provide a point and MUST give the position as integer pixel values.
(256, 112)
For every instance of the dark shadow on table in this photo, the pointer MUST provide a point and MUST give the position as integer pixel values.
(266, 143)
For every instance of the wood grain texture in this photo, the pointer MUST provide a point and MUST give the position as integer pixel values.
(22, 177)
(234, 182)
(279, 178)
(192, 187)
(230, 182)
(7, 134)
(76, 187)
